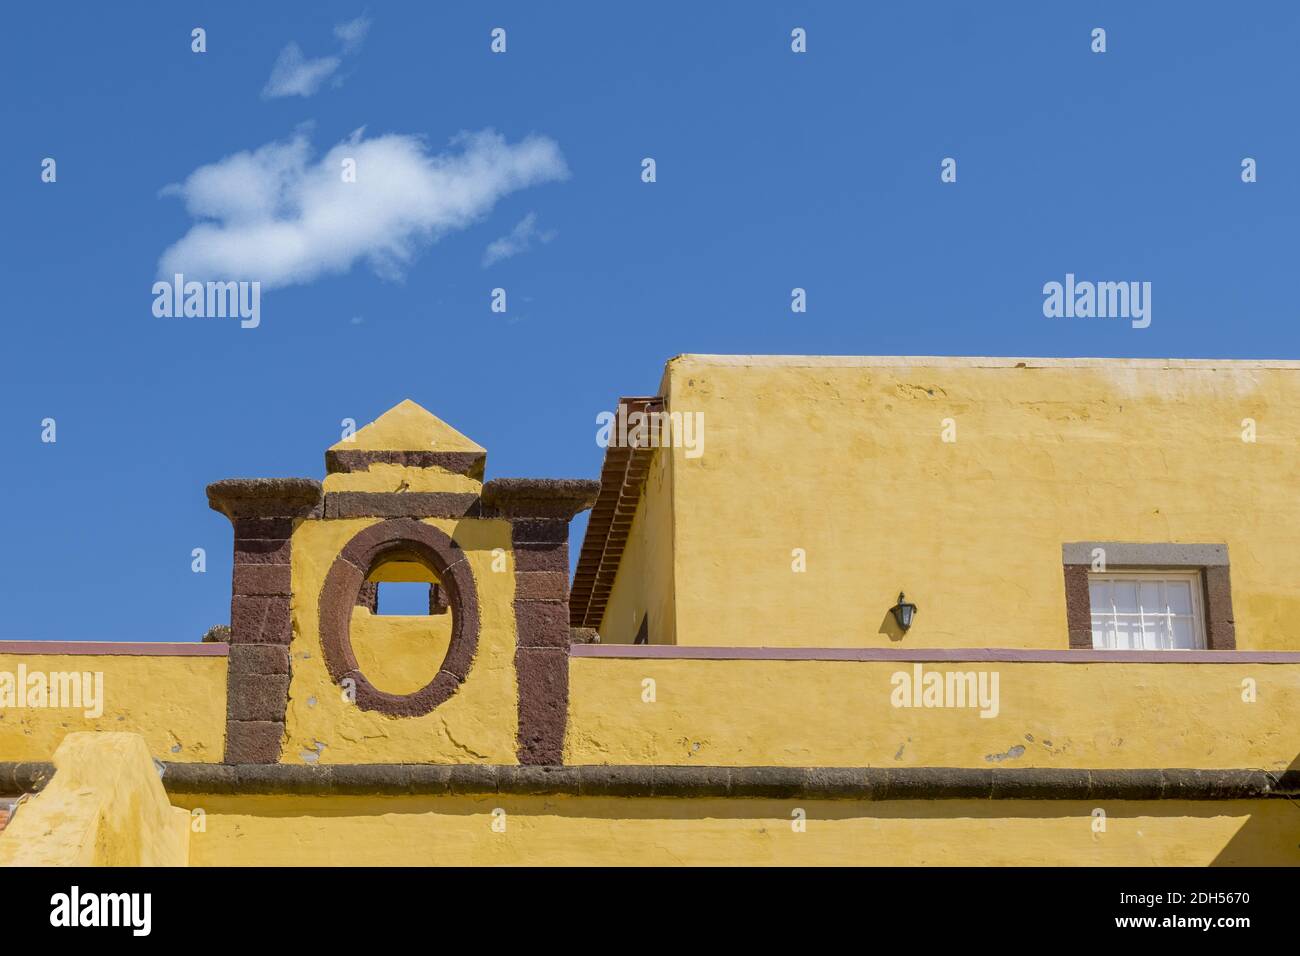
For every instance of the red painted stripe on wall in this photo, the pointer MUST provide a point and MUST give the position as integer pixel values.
(1010, 655)
(116, 648)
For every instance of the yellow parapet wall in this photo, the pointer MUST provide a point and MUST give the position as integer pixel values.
(589, 831)
(174, 696)
(957, 481)
(105, 806)
(843, 713)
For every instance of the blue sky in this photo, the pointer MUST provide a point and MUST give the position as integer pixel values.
(774, 170)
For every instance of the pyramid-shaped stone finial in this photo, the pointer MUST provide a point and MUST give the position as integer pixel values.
(408, 427)
(405, 438)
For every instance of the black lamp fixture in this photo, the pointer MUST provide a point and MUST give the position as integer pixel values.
(903, 612)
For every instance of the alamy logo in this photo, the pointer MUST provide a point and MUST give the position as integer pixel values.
(208, 300)
(55, 690)
(1101, 300)
(103, 909)
(651, 429)
(951, 689)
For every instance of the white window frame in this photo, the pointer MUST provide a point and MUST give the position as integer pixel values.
(1163, 574)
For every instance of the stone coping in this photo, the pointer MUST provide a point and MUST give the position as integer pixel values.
(264, 497)
(561, 497)
(813, 783)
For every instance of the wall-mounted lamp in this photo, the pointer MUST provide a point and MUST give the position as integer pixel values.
(903, 612)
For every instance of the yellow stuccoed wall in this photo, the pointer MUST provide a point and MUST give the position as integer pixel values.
(478, 724)
(840, 714)
(399, 654)
(589, 831)
(843, 458)
(177, 704)
(644, 584)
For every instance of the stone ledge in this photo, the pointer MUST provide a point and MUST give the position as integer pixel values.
(538, 497)
(820, 783)
(264, 497)
(813, 783)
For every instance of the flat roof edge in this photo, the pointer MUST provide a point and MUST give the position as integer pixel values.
(964, 361)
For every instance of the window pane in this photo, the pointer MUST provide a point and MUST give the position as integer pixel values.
(1180, 596)
(1145, 612)
(1125, 593)
(1150, 634)
(1125, 633)
(1184, 633)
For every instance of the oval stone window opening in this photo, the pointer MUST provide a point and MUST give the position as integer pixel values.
(402, 624)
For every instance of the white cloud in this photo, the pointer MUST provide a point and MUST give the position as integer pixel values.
(293, 75)
(275, 216)
(352, 33)
(520, 239)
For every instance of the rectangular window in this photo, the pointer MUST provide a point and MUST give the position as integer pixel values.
(1147, 610)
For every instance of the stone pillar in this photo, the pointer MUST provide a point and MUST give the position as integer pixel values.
(539, 511)
(263, 512)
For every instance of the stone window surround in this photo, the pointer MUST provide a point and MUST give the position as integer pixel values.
(344, 583)
(1211, 560)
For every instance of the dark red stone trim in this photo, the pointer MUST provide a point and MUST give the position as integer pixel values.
(401, 504)
(542, 623)
(1078, 606)
(264, 512)
(260, 619)
(659, 780)
(283, 498)
(253, 741)
(344, 461)
(557, 498)
(275, 528)
(412, 540)
(541, 586)
(542, 556)
(1220, 626)
(262, 580)
(257, 696)
(261, 550)
(553, 530)
(542, 636)
(543, 677)
(259, 659)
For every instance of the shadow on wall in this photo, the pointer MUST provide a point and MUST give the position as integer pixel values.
(1267, 835)
(889, 627)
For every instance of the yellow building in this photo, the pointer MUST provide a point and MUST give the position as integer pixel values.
(827, 610)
